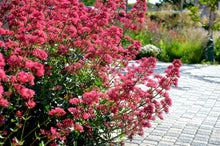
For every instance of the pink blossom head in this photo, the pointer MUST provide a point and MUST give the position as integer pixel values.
(85, 115)
(30, 104)
(58, 112)
(3, 102)
(74, 101)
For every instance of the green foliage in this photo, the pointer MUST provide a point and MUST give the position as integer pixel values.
(188, 52)
(211, 3)
(217, 25)
(186, 45)
(217, 50)
(193, 52)
(196, 18)
(194, 14)
(88, 2)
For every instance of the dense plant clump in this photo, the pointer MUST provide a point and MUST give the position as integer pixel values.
(217, 50)
(186, 45)
(60, 74)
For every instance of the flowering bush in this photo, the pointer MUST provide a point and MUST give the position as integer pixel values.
(60, 74)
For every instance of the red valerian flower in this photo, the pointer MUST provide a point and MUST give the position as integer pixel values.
(27, 93)
(3, 102)
(74, 101)
(57, 112)
(25, 77)
(19, 114)
(78, 127)
(2, 60)
(2, 119)
(41, 54)
(85, 115)
(30, 104)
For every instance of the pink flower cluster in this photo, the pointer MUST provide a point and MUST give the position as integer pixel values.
(57, 112)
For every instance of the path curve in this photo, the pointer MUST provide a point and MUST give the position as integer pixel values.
(194, 118)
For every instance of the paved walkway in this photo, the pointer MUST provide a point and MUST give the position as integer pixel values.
(194, 118)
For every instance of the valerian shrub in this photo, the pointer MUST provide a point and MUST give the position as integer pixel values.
(61, 80)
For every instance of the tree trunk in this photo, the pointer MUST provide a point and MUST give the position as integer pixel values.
(211, 23)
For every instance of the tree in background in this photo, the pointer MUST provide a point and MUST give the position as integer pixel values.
(213, 23)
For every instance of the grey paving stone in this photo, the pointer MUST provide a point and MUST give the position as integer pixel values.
(217, 125)
(185, 139)
(169, 138)
(178, 126)
(173, 134)
(157, 133)
(192, 125)
(138, 138)
(181, 144)
(192, 132)
(201, 115)
(206, 127)
(130, 144)
(135, 141)
(202, 136)
(214, 113)
(148, 130)
(153, 138)
(214, 142)
(165, 143)
(187, 116)
(148, 143)
(198, 144)
(187, 135)
(204, 132)
(203, 139)
(209, 123)
(212, 145)
(163, 127)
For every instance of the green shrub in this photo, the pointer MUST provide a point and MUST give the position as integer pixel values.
(217, 50)
(186, 44)
(193, 52)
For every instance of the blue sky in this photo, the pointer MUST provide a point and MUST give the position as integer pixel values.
(152, 1)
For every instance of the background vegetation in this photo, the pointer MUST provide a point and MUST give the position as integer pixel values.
(162, 29)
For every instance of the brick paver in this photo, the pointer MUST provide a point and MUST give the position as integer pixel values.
(194, 118)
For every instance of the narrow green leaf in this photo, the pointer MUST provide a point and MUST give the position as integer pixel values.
(12, 120)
